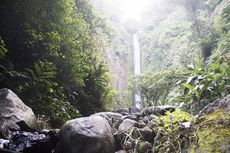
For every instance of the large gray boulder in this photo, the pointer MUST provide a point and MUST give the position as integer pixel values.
(86, 135)
(219, 104)
(13, 110)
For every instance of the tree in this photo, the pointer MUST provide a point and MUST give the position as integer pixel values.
(65, 36)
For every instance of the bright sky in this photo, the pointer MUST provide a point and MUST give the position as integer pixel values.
(133, 9)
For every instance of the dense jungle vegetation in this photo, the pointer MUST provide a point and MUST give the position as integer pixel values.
(53, 54)
(185, 54)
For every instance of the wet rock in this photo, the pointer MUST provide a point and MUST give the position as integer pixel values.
(157, 110)
(131, 117)
(123, 111)
(7, 151)
(147, 134)
(88, 134)
(141, 124)
(134, 110)
(186, 124)
(126, 124)
(123, 128)
(144, 147)
(24, 127)
(222, 103)
(5, 133)
(146, 119)
(3, 143)
(111, 117)
(121, 151)
(128, 146)
(27, 142)
(13, 110)
(30, 142)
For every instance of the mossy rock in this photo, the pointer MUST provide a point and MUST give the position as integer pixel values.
(213, 133)
(143, 147)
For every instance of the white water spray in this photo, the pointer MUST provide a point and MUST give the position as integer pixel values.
(137, 69)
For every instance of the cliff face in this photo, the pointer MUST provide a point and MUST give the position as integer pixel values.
(119, 51)
(118, 59)
(218, 9)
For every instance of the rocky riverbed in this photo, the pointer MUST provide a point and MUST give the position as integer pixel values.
(154, 129)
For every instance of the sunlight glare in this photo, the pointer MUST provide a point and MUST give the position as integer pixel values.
(133, 9)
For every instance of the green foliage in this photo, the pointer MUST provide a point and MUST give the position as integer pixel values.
(171, 120)
(207, 44)
(3, 49)
(223, 25)
(204, 85)
(213, 3)
(54, 60)
(171, 135)
(155, 87)
(45, 95)
(97, 88)
(41, 92)
(168, 45)
(209, 133)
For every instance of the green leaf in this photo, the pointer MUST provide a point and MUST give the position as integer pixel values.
(187, 85)
(37, 69)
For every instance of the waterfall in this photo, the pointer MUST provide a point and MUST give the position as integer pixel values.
(137, 69)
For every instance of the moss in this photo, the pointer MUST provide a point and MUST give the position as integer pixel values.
(213, 132)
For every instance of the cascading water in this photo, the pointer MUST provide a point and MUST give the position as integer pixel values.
(137, 69)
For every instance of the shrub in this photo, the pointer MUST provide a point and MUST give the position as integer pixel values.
(171, 135)
(203, 85)
(155, 87)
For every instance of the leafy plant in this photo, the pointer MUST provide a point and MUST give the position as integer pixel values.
(155, 87)
(171, 135)
(204, 85)
(53, 59)
(222, 25)
(46, 96)
(3, 49)
(38, 89)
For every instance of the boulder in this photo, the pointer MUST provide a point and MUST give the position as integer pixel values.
(134, 110)
(126, 124)
(3, 142)
(123, 129)
(13, 110)
(132, 117)
(219, 104)
(7, 151)
(145, 134)
(144, 147)
(123, 111)
(111, 117)
(157, 110)
(87, 134)
(28, 142)
(213, 133)
(121, 151)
